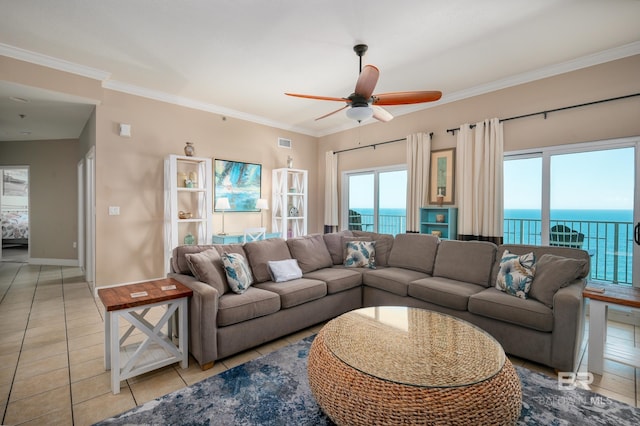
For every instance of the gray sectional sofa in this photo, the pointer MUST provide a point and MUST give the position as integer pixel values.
(453, 277)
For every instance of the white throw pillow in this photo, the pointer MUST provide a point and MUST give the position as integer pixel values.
(284, 270)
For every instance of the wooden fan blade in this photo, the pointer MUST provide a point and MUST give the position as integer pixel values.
(367, 81)
(331, 113)
(322, 98)
(404, 98)
(381, 114)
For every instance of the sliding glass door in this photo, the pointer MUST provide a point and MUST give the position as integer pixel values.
(578, 196)
(375, 200)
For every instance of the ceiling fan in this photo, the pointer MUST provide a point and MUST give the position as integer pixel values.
(363, 104)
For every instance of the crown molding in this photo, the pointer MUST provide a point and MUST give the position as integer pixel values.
(545, 72)
(157, 95)
(51, 62)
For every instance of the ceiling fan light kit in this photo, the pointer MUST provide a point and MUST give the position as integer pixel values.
(360, 102)
(360, 113)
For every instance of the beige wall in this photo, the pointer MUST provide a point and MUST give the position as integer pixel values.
(130, 174)
(598, 122)
(52, 194)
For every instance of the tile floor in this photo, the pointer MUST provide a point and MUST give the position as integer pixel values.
(52, 364)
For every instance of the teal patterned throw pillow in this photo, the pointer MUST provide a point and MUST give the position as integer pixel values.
(238, 273)
(360, 254)
(516, 273)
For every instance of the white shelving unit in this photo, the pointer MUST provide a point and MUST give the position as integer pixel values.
(197, 200)
(289, 189)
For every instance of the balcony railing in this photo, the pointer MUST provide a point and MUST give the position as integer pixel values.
(610, 244)
(387, 224)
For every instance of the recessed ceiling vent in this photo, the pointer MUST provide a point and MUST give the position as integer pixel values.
(284, 143)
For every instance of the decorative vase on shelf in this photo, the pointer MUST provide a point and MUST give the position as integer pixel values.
(189, 150)
(189, 239)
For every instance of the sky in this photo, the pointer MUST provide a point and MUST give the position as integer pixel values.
(599, 180)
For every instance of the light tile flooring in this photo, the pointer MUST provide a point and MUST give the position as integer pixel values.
(52, 364)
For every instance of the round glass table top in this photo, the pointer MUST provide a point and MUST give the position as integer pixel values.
(414, 346)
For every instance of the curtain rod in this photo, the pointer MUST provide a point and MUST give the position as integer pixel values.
(453, 131)
(373, 145)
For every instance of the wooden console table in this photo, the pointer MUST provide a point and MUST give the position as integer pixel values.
(599, 349)
(131, 303)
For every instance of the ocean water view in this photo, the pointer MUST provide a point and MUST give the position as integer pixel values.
(606, 234)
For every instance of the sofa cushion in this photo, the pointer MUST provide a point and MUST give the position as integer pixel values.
(238, 272)
(179, 262)
(253, 303)
(444, 292)
(310, 251)
(360, 254)
(467, 261)
(539, 251)
(207, 266)
(414, 251)
(384, 244)
(284, 270)
(337, 279)
(552, 273)
(334, 244)
(391, 279)
(493, 303)
(261, 251)
(516, 273)
(296, 292)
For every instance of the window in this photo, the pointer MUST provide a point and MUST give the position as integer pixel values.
(375, 200)
(579, 196)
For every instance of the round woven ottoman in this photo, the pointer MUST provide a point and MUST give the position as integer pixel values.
(398, 365)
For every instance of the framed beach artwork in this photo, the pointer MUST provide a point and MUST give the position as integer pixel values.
(239, 182)
(442, 179)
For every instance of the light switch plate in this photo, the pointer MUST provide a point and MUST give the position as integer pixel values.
(114, 210)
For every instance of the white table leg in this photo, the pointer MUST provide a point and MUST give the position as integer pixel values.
(183, 340)
(107, 340)
(115, 353)
(597, 335)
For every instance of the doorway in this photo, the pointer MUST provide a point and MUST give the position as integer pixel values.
(14, 212)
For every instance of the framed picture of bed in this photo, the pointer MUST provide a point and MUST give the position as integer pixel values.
(239, 182)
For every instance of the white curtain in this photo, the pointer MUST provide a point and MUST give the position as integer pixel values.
(418, 157)
(479, 165)
(331, 192)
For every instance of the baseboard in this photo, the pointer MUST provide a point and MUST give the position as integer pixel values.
(53, 262)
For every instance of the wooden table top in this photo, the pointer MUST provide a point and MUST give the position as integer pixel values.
(613, 293)
(117, 298)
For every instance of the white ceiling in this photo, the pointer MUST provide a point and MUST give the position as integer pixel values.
(237, 58)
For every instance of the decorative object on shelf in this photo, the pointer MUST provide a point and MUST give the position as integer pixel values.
(188, 183)
(182, 179)
(293, 211)
(189, 239)
(193, 177)
(189, 150)
(436, 233)
(289, 162)
(222, 204)
(184, 215)
(239, 180)
(441, 185)
(440, 218)
(292, 190)
(262, 204)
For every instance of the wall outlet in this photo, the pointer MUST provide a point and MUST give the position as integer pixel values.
(114, 210)
(75, 245)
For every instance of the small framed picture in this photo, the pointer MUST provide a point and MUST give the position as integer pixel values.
(442, 179)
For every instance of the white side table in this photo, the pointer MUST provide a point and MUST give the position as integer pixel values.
(599, 302)
(132, 303)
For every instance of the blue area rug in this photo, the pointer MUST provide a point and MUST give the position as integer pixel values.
(273, 390)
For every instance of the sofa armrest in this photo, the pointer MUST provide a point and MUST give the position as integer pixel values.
(568, 326)
(203, 313)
